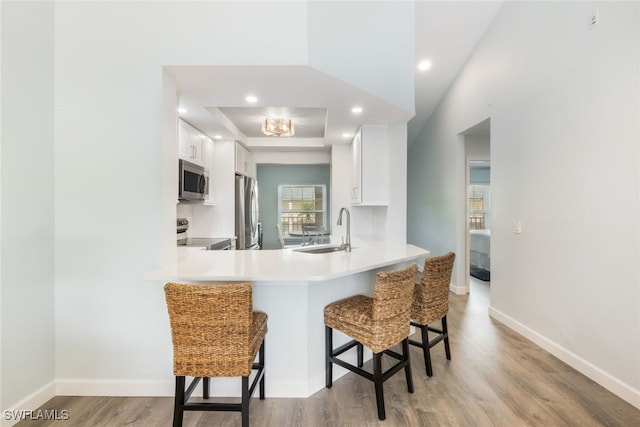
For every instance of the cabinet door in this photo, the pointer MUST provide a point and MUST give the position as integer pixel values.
(370, 182)
(243, 160)
(239, 159)
(190, 143)
(209, 159)
(197, 147)
(184, 135)
(356, 168)
(248, 163)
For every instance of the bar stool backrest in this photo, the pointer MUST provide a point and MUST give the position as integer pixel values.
(210, 329)
(431, 300)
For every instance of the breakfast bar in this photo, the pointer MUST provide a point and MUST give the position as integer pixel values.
(292, 286)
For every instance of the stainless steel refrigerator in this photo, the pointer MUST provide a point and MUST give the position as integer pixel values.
(247, 230)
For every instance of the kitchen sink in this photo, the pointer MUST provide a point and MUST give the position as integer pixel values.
(320, 250)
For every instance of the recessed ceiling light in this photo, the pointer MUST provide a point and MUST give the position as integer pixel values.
(182, 110)
(424, 65)
(346, 135)
(356, 110)
(217, 136)
(251, 99)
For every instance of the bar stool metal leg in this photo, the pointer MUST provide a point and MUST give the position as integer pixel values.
(425, 350)
(205, 388)
(178, 403)
(407, 368)
(261, 363)
(328, 367)
(378, 381)
(445, 332)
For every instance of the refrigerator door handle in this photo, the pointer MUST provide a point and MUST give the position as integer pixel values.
(240, 213)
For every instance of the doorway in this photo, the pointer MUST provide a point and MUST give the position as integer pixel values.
(477, 148)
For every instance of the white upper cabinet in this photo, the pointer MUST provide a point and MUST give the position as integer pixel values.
(356, 168)
(244, 163)
(209, 163)
(370, 166)
(190, 143)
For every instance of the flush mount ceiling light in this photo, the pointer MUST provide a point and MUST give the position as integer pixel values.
(356, 110)
(251, 99)
(278, 127)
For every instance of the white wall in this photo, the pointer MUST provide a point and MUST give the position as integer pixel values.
(1, 140)
(111, 325)
(340, 185)
(169, 165)
(477, 145)
(27, 220)
(112, 102)
(290, 157)
(397, 183)
(379, 34)
(564, 103)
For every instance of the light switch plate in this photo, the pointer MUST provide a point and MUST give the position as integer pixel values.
(517, 226)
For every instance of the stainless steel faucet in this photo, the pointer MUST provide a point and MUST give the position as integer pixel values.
(346, 245)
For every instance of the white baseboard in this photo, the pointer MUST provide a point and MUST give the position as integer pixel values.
(611, 383)
(114, 387)
(229, 387)
(458, 290)
(29, 403)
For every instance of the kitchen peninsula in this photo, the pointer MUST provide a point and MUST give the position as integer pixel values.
(293, 287)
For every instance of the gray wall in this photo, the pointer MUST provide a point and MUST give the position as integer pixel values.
(270, 176)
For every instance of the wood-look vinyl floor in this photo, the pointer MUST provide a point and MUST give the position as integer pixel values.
(495, 378)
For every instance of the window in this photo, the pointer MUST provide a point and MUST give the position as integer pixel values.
(301, 204)
(478, 209)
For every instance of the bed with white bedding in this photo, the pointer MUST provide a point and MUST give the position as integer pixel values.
(480, 249)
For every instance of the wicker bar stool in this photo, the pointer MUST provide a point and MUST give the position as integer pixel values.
(215, 333)
(431, 303)
(379, 323)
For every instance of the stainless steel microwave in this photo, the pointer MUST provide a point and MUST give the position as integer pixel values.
(193, 183)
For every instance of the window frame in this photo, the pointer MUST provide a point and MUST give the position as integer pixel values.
(324, 211)
(477, 218)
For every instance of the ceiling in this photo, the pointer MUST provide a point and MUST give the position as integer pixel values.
(320, 105)
(308, 122)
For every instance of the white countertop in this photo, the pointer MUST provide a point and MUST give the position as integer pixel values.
(285, 264)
